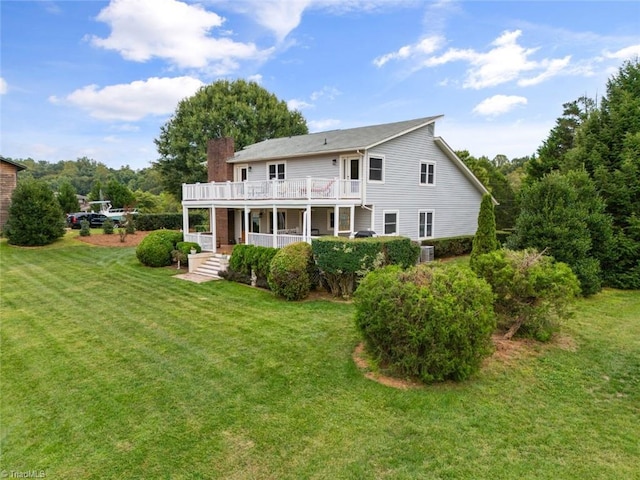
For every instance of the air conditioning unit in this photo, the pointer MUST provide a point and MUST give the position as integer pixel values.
(426, 254)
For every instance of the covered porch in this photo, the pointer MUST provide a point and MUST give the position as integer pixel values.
(273, 225)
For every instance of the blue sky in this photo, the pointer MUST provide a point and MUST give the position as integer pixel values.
(99, 78)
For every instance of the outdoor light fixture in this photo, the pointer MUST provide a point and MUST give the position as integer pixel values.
(334, 161)
(249, 167)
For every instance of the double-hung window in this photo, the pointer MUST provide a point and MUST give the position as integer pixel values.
(276, 171)
(376, 166)
(390, 218)
(425, 224)
(427, 173)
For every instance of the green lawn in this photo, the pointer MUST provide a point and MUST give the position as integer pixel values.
(113, 370)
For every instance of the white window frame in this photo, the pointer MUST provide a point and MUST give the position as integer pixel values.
(426, 182)
(284, 173)
(379, 157)
(433, 222)
(330, 214)
(384, 223)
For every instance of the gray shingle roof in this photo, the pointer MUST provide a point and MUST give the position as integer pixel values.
(14, 163)
(333, 141)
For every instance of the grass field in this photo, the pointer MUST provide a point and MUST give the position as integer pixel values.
(111, 370)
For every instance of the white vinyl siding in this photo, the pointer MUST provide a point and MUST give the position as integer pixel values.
(453, 197)
(376, 169)
(427, 173)
(425, 223)
(391, 220)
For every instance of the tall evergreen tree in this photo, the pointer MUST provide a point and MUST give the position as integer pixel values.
(608, 147)
(563, 215)
(484, 241)
(561, 139)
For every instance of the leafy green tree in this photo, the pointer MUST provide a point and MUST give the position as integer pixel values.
(484, 241)
(239, 109)
(67, 198)
(119, 195)
(35, 217)
(563, 216)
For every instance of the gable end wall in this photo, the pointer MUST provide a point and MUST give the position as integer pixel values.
(454, 199)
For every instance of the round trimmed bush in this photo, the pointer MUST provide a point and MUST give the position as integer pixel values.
(430, 322)
(155, 249)
(289, 272)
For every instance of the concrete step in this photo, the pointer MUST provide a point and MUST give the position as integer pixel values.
(213, 266)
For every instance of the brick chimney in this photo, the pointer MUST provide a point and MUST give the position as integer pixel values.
(219, 150)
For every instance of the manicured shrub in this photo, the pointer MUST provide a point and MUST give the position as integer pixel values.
(246, 259)
(85, 228)
(185, 247)
(430, 322)
(401, 251)
(533, 291)
(342, 262)
(485, 240)
(35, 217)
(155, 249)
(289, 273)
(451, 246)
(129, 224)
(107, 227)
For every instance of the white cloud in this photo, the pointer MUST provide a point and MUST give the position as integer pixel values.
(625, 53)
(4, 87)
(171, 30)
(278, 16)
(553, 68)
(423, 47)
(329, 92)
(132, 101)
(506, 61)
(255, 78)
(295, 104)
(499, 104)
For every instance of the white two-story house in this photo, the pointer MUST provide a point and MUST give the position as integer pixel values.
(392, 179)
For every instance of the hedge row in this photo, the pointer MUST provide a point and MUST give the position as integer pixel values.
(343, 262)
(451, 246)
(170, 221)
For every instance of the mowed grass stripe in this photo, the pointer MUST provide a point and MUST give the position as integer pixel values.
(170, 379)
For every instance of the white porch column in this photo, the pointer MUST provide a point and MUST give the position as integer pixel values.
(373, 218)
(352, 218)
(274, 223)
(246, 225)
(212, 228)
(336, 220)
(307, 232)
(185, 220)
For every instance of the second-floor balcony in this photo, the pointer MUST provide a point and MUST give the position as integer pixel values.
(296, 189)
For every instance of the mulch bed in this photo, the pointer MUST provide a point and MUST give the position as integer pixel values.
(113, 240)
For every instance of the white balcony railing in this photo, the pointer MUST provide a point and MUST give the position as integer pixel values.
(296, 189)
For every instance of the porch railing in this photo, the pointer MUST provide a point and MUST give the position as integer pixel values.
(295, 189)
(205, 240)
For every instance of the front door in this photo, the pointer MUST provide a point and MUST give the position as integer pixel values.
(241, 173)
(350, 171)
